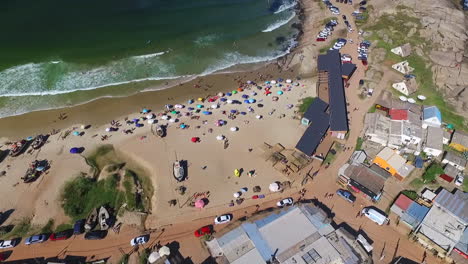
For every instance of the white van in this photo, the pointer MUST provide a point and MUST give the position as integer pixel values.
(375, 216)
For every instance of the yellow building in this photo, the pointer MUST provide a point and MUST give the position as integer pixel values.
(395, 164)
(459, 141)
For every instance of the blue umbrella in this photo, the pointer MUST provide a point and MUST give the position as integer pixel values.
(199, 106)
(138, 125)
(145, 110)
(228, 94)
(76, 133)
(245, 96)
(190, 108)
(76, 150)
(206, 112)
(246, 101)
(233, 111)
(222, 99)
(243, 113)
(280, 80)
(251, 100)
(29, 138)
(135, 119)
(190, 101)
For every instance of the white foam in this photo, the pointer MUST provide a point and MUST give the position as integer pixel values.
(286, 6)
(279, 23)
(150, 55)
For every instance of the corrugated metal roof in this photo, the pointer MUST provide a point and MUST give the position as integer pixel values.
(313, 135)
(456, 203)
(462, 245)
(415, 214)
(398, 114)
(403, 202)
(432, 111)
(316, 107)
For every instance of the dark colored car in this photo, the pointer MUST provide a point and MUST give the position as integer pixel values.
(63, 235)
(347, 195)
(206, 230)
(78, 228)
(96, 235)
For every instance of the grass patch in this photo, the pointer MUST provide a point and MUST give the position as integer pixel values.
(305, 103)
(21, 229)
(336, 148)
(326, 20)
(411, 194)
(372, 109)
(432, 172)
(82, 194)
(465, 184)
(144, 256)
(365, 16)
(327, 47)
(359, 142)
(416, 184)
(63, 227)
(48, 227)
(124, 259)
(101, 157)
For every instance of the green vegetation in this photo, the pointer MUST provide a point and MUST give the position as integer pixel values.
(359, 142)
(465, 185)
(396, 28)
(305, 103)
(130, 187)
(48, 228)
(101, 157)
(432, 172)
(144, 256)
(372, 109)
(336, 147)
(124, 259)
(82, 194)
(416, 184)
(365, 16)
(327, 47)
(411, 194)
(328, 19)
(21, 228)
(63, 227)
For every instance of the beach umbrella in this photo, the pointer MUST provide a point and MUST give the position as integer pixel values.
(243, 113)
(153, 257)
(165, 117)
(273, 82)
(183, 125)
(280, 80)
(151, 121)
(219, 137)
(249, 82)
(190, 108)
(245, 96)
(83, 127)
(297, 84)
(253, 93)
(251, 100)
(236, 194)
(220, 94)
(199, 203)
(164, 251)
(279, 92)
(150, 116)
(237, 172)
(190, 101)
(274, 187)
(76, 133)
(275, 98)
(108, 129)
(411, 100)
(421, 97)
(172, 120)
(179, 106)
(258, 116)
(228, 94)
(200, 99)
(194, 139)
(243, 190)
(76, 150)
(206, 112)
(138, 125)
(240, 89)
(199, 106)
(233, 129)
(214, 106)
(144, 111)
(288, 81)
(233, 111)
(234, 91)
(174, 112)
(267, 82)
(222, 99)
(230, 101)
(246, 101)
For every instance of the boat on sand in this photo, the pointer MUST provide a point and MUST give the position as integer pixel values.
(18, 147)
(39, 141)
(178, 171)
(159, 131)
(103, 217)
(91, 220)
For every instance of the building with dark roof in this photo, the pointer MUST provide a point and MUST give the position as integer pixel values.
(368, 180)
(318, 121)
(331, 80)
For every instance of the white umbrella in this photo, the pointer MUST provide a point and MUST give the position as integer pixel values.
(220, 137)
(108, 129)
(214, 106)
(404, 99)
(153, 257)
(274, 187)
(150, 116)
(237, 194)
(164, 251)
(151, 121)
(273, 82)
(220, 94)
(288, 81)
(411, 100)
(421, 97)
(83, 126)
(253, 93)
(229, 101)
(179, 106)
(172, 120)
(233, 129)
(165, 117)
(258, 117)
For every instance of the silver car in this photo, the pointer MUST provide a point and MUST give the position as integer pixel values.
(35, 239)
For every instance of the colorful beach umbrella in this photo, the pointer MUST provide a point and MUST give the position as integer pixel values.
(222, 99)
(199, 203)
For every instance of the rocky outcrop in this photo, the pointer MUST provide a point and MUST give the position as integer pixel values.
(444, 26)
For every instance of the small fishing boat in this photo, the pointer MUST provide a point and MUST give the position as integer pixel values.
(103, 217)
(39, 141)
(91, 220)
(159, 131)
(35, 170)
(178, 171)
(18, 147)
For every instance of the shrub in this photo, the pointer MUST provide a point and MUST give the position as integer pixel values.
(411, 194)
(305, 103)
(432, 172)
(48, 228)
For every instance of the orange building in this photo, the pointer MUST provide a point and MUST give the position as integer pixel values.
(395, 164)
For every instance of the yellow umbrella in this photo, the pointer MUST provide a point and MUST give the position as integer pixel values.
(237, 173)
(200, 99)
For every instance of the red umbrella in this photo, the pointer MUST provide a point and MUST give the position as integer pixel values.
(200, 203)
(195, 139)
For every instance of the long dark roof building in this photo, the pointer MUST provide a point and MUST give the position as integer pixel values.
(331, 63)
(319, 122)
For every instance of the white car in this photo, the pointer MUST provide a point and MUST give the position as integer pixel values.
(459, 180)
(222, 219)
(139, 240)
(8, 243)
(285, 202)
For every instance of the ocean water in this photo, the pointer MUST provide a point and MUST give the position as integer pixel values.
(56, 53)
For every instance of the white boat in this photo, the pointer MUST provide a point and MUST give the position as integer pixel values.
(411, 100)
(103, 217)
(422, 97)
(178, 171)
(404, 99)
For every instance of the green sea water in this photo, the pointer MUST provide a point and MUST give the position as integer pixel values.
(55, 53)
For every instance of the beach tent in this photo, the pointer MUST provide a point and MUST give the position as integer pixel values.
(279, 92)
(246, 101)
(243, 113)
(273, 82)
(200, 99)
(288, 81)
(183, 125)
(190, 108)
(179, 106)
(174, 112)
(220, 94)
(190, 101)
(195, 139)
(200, 203)
(150, 116)
(252, 101)
(172, 120)
(138, 125)
(164, 251)
(153, 257)
(230, 101)
(233, 111)
(274, 187)
(253, 93)
(199, 106)
(228, 94)
(222, 99)
(144, 110)
(249, 82)
(240, 89)
(234, 91)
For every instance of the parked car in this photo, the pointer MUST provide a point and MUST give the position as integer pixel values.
(96, 235)
(78, 228)
(35, 239)
(347, 195)
(375, 216)
(140, 240)
(63, 235)
(206, 230)
(222, 219)
(8, 243)
(5, 255)
(285, 202)
(459, 180)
